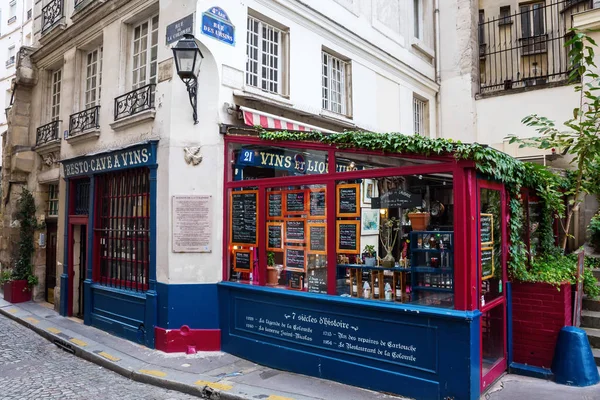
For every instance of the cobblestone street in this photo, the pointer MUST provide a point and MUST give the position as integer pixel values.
(33, 368)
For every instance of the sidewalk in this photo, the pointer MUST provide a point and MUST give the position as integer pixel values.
(211, 375)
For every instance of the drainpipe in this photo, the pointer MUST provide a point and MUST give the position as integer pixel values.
(438, 66)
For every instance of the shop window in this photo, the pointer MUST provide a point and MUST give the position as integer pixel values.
(258, 162)
(334, 84)
(491, 245)
(122, 229)
(53, 200)
(145, 53)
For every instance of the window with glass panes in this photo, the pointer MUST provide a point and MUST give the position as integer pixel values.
(264, 56)
(93, 81)
(145, 52)
(419, 115)
(334, 84)
(123, 229)
(53, 200)
(55, 91)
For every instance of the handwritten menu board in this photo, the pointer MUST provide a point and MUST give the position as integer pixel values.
(295, 230)
(317, 280)
(244, 217)
(275, 204)
(295, 202)
(317, 238)
(348, 240)
(348, 196)
(295, 259)
(318, 203)
(242, 260)
(274, 236)
(487, 262)
(296, 281)
(486, 228)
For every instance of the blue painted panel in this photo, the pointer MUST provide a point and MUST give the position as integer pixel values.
(530, 370)
(353, 341)
(194, 305)
(509, 322)
(119, 312)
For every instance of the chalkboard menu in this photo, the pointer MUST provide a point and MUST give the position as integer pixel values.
(244, 217)
(348, 237)
(296, 281)
(295, 259)
(242, 261)
(317, 238)
(274, 236)
(318, 203)
(487, 263)
(317, 280)
(348, 196)
(295, 230)
(486, 229)
(295, 202)
(275, 203)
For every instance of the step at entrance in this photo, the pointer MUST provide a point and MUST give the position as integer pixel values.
(590, 322)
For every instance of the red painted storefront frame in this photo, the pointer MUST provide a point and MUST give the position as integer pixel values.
(73, 220)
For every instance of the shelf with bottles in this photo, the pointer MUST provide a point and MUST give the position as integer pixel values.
(432, 263)
(376, 283)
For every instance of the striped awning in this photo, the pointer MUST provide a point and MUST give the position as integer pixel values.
(266, 120)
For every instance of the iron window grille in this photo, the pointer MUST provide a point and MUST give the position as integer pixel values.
(12, 19)
(134, 102)
(419, 115)
(526, 48)
(53, 200)
(333, 84)
(52, 13)
(264, 56)
(123, 229)
(47, 133)
(29, 14)
(83, 121)
(82, 197)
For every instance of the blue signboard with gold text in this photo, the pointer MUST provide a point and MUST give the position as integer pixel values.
(216, 24)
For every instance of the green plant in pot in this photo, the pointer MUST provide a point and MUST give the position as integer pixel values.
(388, 234)
(370, 255)
(272, 273)
(19, 281)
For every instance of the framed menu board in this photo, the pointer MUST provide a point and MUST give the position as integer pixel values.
(295, 230)
(348, 237)
(274, 205)
(296, 281)
(317, 238)
(295, 202)
(242, 260)
(487, 262)
(243, 217)
(274, 236)
(295, 259)
(348, 200)
(486, 231)
(317, 204)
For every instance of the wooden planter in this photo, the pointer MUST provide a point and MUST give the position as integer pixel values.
(17, 291)
(419, 221)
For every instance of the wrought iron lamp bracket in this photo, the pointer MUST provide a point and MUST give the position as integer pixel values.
(192, 87)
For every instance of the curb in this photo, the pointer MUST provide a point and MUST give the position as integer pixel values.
(205, 392)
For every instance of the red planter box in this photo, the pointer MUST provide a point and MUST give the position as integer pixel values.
(539, 312)
(17, 291)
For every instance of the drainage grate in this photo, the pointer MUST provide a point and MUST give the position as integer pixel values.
(64, 345)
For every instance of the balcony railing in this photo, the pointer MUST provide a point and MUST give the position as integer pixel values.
(47, 133)
(52, 13)
(10, 61)
(12, 19)
(526, 48)
(135, 101)
(83, 121)
(78, 2)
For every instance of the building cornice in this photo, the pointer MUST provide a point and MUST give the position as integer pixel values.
(587, 20)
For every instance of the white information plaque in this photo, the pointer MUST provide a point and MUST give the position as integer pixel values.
(192, 224)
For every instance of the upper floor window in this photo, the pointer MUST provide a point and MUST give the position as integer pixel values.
(53, 200)
(145, 52)
(12, 11)
(532, 20)
(420, 116)
(93, 79)
(334, 84)
(505, 17)
(264, 56)
(55, 95)
(418, 17)
(10, 60)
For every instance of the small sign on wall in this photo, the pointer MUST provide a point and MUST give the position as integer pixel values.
(177, 29)
(192, 227)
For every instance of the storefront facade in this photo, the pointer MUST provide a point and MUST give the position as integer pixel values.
(427, 322)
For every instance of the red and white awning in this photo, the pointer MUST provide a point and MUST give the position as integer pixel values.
(266, 120)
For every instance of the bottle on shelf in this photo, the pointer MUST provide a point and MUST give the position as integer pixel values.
(398, 291)
(354, 286)
(376, 289)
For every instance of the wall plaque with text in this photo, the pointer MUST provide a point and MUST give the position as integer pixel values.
(192, 227)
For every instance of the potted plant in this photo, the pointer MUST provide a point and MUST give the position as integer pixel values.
(272, 273)
(388, 234)
(418, 219)
(369, 253)
(18, 283)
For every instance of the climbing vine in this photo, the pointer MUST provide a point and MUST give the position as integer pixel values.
(27, 226)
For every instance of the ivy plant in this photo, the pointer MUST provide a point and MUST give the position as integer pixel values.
(27, 226)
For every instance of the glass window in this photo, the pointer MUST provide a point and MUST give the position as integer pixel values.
(333, 85)
(490, 238)
(264, 56)
(346, 162)
(145, 52)
(258, 162)
(53, 200)
(56, 88)
(420, 116)
(504, 15)
(93, 81)
(417, 18)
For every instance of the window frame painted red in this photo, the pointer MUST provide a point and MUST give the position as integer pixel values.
(465, 187)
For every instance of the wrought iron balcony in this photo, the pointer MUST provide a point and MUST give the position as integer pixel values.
(83, 121)
(52, 13)
(10, 61)
(12, 19)
(48, 133)
(134, 102)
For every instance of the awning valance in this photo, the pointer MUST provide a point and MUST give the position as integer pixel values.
(254, 117)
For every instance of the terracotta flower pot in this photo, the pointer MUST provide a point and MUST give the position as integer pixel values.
(272, 276)
(419, 221)
(17, 291)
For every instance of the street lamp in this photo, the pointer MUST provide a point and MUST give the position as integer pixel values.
(188, 59)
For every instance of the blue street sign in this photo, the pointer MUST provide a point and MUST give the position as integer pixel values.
(216, 24)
